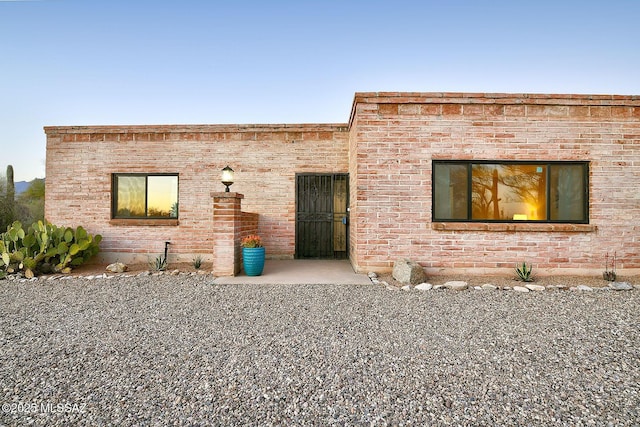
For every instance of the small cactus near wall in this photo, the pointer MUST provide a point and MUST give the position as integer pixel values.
(609, 273)
(524, 272)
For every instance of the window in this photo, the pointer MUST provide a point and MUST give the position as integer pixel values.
(510, 191)
(145, 196)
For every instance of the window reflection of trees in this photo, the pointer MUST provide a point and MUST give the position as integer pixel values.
(484, 192)
(502, 191)
(511, 191)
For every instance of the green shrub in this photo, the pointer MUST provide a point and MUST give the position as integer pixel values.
(524, 272)
(44, 248)
(197, 262)
(159, 264)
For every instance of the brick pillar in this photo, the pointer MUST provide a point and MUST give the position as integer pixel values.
(227, 227)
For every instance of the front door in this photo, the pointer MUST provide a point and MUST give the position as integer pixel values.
(321, 215)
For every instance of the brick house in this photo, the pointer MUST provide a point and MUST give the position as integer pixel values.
(456, 181)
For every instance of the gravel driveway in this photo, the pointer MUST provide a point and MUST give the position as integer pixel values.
(178, 350)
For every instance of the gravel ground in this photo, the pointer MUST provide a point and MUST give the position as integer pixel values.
(179, 350)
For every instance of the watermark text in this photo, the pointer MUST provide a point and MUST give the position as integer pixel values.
(44, 408)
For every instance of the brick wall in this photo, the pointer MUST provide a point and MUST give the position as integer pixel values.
(81, 161)
(395, 136)
(387, 147)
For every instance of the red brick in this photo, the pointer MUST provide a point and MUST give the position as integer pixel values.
(547, 110)
(494, 110)
(431, 109)
(600, 111)
(514, 110)
(621, 112)
(388, 109)
(451, 109)
(473, 109)
(578, 111)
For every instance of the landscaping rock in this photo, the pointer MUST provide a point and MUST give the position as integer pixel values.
(620, 286)
(424, 287)
(520, 289)
(584, 288)
(117, 267)
(407, 271)
(488, 287)
(178, 350)
(537, 288)
(456, 285)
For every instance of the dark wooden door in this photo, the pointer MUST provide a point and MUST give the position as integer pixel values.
(321, 215)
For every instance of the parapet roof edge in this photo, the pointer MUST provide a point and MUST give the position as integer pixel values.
(496, 96)
(490, 98)
(214, 128)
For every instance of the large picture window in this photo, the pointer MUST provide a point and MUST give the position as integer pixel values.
(153, 196)
(510, 191)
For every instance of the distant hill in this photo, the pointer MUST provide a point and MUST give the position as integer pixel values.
(21, 186)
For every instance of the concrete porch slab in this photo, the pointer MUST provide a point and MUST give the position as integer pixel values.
(303, 272)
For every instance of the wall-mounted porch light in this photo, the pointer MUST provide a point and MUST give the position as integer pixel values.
(227, 177)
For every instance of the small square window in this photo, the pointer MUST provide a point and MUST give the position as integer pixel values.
(145, 196)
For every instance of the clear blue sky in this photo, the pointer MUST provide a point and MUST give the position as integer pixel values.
(81, 62)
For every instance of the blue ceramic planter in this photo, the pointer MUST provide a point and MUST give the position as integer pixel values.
(253, 261)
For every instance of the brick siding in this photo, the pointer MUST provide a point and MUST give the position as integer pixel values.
(395, 136)
(265, 158)
(387, 147)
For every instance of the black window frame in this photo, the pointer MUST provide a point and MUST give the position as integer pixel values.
(114, 195)
(548, 164)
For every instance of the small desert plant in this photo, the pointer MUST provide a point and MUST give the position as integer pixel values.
(609, 275)
(524, 272)
(197, 262)
(159, 264)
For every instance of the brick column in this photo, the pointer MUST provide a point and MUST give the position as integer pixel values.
(227, 227)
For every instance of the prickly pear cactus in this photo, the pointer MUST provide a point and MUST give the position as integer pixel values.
(44, 243)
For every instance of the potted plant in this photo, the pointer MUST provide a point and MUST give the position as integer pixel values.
(252, 255)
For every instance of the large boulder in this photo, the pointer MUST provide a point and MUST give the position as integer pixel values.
(407, 271)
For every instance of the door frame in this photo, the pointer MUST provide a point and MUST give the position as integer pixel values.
(299, 246)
